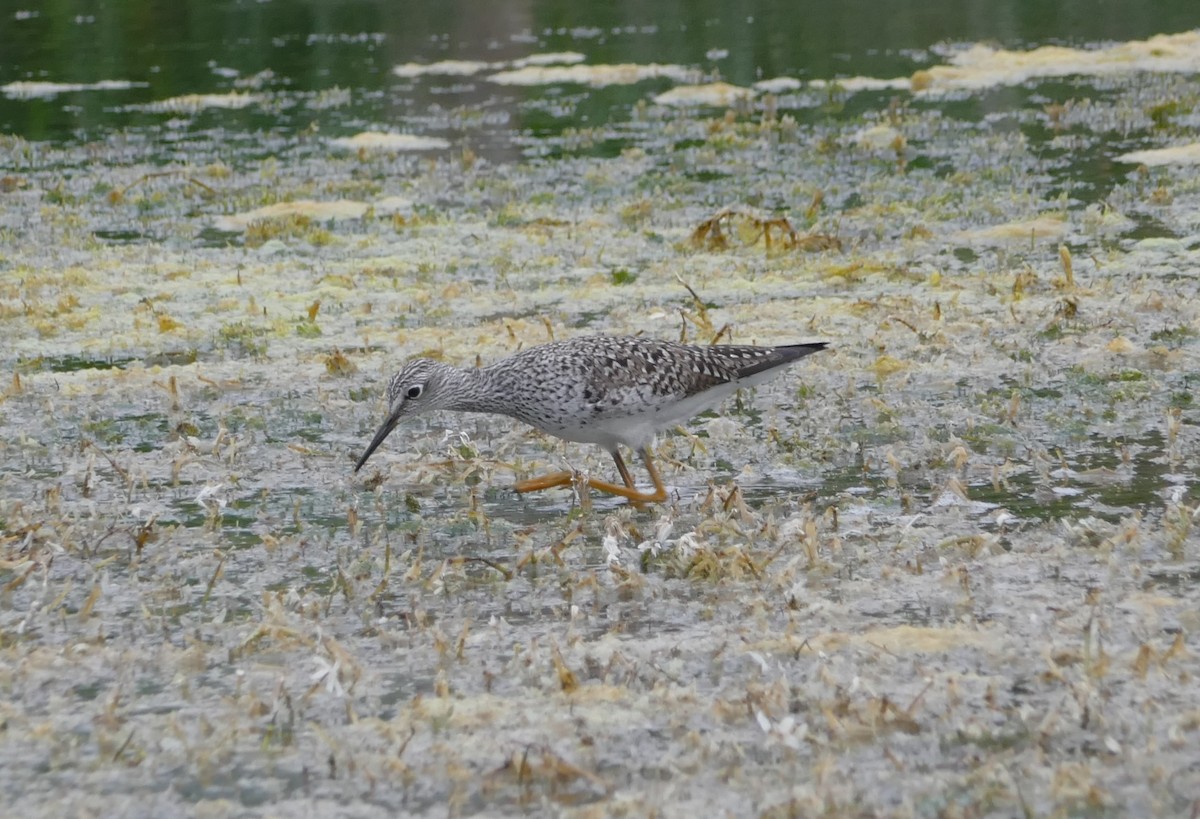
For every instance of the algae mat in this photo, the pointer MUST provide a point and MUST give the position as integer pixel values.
(948, 567)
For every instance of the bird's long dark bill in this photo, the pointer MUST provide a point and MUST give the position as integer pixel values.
(384, 431)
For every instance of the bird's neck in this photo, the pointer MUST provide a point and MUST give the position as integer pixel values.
(474, 391)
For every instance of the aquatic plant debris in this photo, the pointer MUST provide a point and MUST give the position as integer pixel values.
(1024, 230)
(856, 84)
(466, 68)
(383, 142)
(774, 232)
(595, 75)
(193, 103)
(956, 555)
(978, 67)
(446, 68)
(778, 85)
(43, 89)
(1177, 155)
(712, 94)
(550, 58)
(877, 138)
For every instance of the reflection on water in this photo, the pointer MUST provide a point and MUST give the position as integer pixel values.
(304, 58)
(193, 543)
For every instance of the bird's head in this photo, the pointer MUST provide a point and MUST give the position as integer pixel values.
(416, 388)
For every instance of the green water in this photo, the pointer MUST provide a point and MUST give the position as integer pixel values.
(924, 573)
(195, 46)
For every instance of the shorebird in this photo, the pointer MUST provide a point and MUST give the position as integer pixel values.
(608, 390)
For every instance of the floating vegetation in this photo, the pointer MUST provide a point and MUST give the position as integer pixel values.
(596, 76)
(718, 94)
(956, 555)
(194, 103)
(42, 89)
(1188, 154)
(373, 141)
(775, 233)
(300, 213)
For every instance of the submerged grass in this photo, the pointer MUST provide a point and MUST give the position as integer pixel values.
(946, 555)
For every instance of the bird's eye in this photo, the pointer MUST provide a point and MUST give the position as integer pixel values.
(414, 391)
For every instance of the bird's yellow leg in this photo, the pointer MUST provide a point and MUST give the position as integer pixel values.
(629, 491)
(545, 482)
(624, 470)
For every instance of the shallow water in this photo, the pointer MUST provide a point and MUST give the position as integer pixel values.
(947, 566)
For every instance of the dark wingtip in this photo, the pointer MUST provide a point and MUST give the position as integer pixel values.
(791, 352)
(781, 356)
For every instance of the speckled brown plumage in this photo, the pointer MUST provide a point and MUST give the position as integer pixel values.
(607, 390)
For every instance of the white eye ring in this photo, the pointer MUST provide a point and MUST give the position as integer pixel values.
(414, 391)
